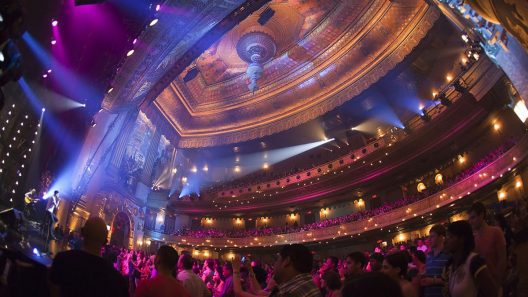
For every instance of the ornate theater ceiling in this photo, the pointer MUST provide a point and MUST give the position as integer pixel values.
(323, 54)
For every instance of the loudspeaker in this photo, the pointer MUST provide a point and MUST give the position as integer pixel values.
(87, 2)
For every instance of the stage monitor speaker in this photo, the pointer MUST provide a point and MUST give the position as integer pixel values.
(87, 2)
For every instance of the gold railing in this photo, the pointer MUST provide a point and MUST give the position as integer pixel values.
(426, 205)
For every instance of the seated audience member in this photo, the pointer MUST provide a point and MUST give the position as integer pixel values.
(395, 266)
(84, 272)
(292, 273)
(466, 273)
(375, 262)
(432, 282)
(372, 284)
(355, 264)
(164, 284)
(191, 282)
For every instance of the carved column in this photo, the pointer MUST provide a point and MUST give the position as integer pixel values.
(120, 147)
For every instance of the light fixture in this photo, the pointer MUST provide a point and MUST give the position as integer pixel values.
(158, 7)
(153, 22)
(130, 53)
(439, 179)
(501, 195)
(449, 77)
(54, 23)
(420, 187)
(496, 126)
(53, 42)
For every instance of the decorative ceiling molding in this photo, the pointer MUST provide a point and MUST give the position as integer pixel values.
(378, 39)
(183, 32)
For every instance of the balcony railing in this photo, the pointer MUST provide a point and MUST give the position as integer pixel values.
(447, 196)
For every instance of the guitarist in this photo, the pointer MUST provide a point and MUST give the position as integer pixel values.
(51, 208)
(29, 202)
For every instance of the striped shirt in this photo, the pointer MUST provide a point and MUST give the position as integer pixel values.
(434, 266)
(301, 285)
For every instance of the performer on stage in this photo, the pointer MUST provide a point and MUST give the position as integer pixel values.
(53, 205)
(29, 203)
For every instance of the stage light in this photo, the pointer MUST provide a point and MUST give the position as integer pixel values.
(130, 53)
(44, 75)
(2, 58)
(424, 116)
(53, 42)
(49, 70)
(461, 159)
(420, 187)
(205, 168)
(54, 23)
(153, 22)
(443, 99)
(110, 90)
(518, 184)
(465, 37)
(449, 77)
(43, 110)
(83, 105)
(134, 41)
(521, 111)
(158, 7)
(194, 169)
(265, 166)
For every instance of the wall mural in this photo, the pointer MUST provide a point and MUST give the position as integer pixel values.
(162, 170)
(136, 151)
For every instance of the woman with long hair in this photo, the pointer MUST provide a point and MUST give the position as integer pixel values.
(395, 266)
(466, 273)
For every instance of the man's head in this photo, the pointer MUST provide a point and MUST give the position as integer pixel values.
(355, 263)
(94, 232)
(185, 262)
(209, 263)
(227, 270)
(477, 214)
(166, 258)
(376, 261)
(437, 236)
(292, 260)
(331, 263)
(56, 193)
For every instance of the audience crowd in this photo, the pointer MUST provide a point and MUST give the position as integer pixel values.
(356, 216)
(483, 256)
